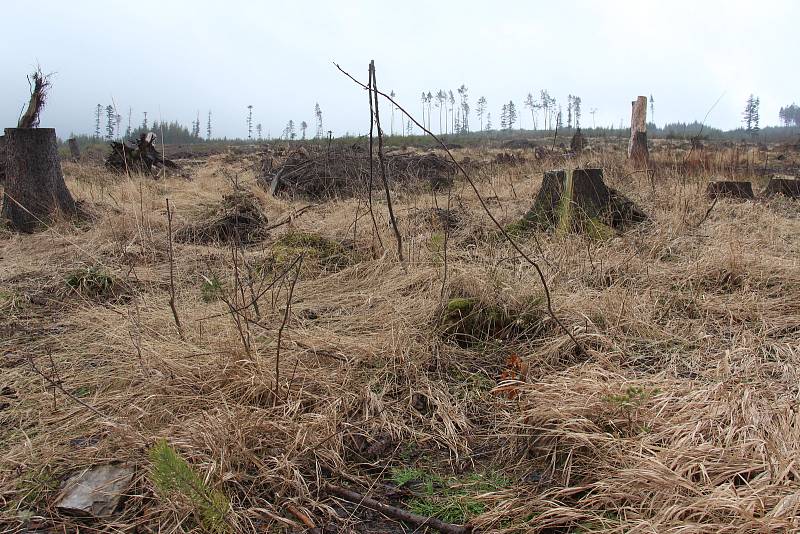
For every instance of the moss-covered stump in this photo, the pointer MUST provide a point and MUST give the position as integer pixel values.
(783, 186)
(730, 189)
(580, 201)
(470, 320)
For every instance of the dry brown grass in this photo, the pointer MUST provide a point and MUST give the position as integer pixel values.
(682, 417)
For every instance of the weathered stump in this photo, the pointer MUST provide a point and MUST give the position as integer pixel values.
(2, 158)
(581, 201)
(637, 146)
(726, 189)
(35, 188)
(74, 149)
(783, 186)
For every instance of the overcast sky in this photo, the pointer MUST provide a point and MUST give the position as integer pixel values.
(175, 58)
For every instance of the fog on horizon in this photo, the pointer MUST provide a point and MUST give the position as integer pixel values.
(179, 59)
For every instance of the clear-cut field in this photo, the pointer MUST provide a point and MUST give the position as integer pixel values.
(680, 414)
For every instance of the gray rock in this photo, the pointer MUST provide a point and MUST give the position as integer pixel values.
(95, 491)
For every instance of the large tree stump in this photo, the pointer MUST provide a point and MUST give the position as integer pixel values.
(35, 188)
(74, 149)
(637, 146)
(2, 158)
(727, 189)
(581, 201)
(783, 186)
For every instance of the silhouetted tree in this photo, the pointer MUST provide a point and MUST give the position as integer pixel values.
(790, 115)
(208, 126)
(318, 116)
(424, 100)
(488, 121)
(303, 127)
(504, 117)
(250, 121)
(511, 111)
(569, 111)
(480, 109)
(441, 100)
(751, 116)
(530, 103)
(576, 110)
(144, 122)
(462, 92)
(429, 98)
(98, 112)
(652, 109)
(452, 100)
(391, 127)
(544, 104)
(258, 130)
(110, 116)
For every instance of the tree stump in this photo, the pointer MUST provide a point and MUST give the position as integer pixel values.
(581, 201)
(743, 190)
(637, 146)
(2, 158)
(35, 188)
(74, 150)
(783, 186)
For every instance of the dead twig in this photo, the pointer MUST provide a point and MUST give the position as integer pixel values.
(292, 509)
(283, 325)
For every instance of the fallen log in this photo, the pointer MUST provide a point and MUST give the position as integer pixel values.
(730, 189)
(418, 521)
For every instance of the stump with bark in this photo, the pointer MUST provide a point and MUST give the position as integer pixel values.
(783, 186)
(637, 146)
(2, 158)
(729, 189)
(581, 201)
(34, 190)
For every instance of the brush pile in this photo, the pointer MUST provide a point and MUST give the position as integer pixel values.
(238, 218)
(141, 157)
(344, 172)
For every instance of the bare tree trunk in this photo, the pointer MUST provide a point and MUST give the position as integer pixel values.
(35, 188)
(637, 147)
(74, 150)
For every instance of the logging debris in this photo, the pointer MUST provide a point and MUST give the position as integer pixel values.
(141, 157)
(344, 172)
(237, 218)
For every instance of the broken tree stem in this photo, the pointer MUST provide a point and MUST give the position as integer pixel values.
(172, 274)
(383, 163)
(371, 166)
(397, 513)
